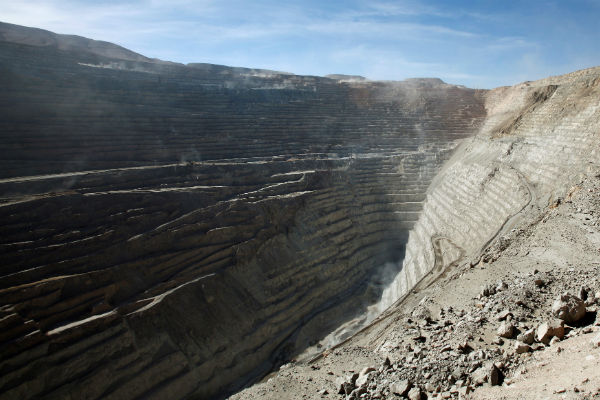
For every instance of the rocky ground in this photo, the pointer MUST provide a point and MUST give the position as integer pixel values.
(518, 321)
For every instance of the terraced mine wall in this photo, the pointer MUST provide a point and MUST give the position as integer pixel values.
(176, 231)
(539, 140)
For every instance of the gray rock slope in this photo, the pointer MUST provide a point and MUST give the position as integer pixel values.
(175, 231)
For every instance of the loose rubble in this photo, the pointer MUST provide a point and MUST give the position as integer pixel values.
(448, 356)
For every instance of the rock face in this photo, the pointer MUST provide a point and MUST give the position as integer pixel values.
(538, 140)
(173, 231)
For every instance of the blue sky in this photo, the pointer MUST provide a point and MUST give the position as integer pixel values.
(480, 44)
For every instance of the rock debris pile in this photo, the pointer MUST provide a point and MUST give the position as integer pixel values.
(447, 356)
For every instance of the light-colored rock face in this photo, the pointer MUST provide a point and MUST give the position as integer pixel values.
(171, 231)
(538, 140)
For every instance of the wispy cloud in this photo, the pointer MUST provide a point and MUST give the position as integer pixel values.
(382, 39)
(390, 29)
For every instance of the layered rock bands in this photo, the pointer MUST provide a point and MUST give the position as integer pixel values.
(173, 231)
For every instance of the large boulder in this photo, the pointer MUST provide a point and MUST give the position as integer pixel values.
(568, 307)
(546, 331)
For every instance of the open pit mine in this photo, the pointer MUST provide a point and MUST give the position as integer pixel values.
(180, 231)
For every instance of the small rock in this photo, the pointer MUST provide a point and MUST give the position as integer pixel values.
(521, 347)
(364, 378)
(539, 283)
(494, 375)
(583, 293)
(480, 376)
(554, 340)
(345, 387)
(488, 290)
(463, 391)
(401, 387)
(339, 385)
(506, 330)
(323, 392)
(569, 308)
(544, 333)
(477, 355)
(527, 337)
(537, 346)
(464, 347)
(558, 328)
(415, 394)
(498, 341)
(596, 341)
(503, 315)
(357, 392)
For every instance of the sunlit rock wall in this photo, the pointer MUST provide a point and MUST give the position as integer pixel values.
(538, 141)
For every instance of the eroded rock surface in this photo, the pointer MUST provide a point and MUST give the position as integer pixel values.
(173, 231)
(509, 224)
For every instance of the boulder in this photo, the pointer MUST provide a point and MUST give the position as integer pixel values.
(527, 337)
(346, 385)
(415, 394)
(506, 330)
(521, 347)
(502, 315)
(546, 331)
(568, 307)
(363, 379)
(363, 376)
(387, 363)
(487, 373)
(557, 328)
(400, 388)
(494, 375)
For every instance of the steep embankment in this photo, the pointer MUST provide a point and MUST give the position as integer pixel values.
(538, 140)
(173, 231)
(515, 210)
